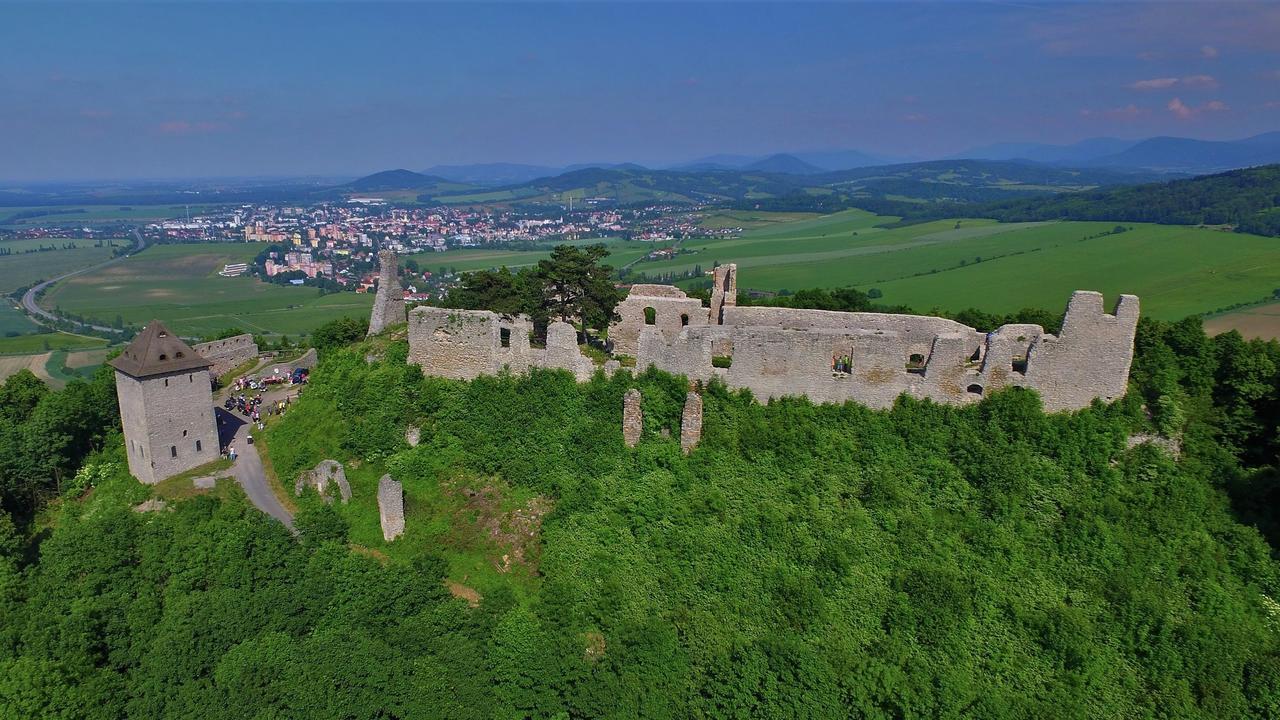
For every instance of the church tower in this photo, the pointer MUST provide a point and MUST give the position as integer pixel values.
(166, 405)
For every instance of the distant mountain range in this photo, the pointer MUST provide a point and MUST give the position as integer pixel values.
(1160, 154)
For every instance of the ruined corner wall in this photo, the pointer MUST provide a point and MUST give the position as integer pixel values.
(672, 309)
(777, 352)
(724, 292)
(1090, 358)
(464, 344)
(388, 304)
(228, 353)
(390, 508)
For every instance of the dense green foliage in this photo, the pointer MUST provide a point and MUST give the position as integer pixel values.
(804, 561)
(44, 435)
(573, 285)
(1246, 199)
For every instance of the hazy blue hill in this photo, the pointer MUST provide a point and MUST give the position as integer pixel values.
(1078, 152)
(783, 163)
(1188, 155)
(393, 180)
(491, 174)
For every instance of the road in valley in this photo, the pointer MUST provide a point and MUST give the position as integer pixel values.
(45, 317)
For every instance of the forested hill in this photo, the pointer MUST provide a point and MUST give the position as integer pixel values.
(1246, 199)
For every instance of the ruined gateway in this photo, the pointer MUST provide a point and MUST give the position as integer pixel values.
(870, 358)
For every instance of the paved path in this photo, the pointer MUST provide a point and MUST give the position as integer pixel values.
(234, 430)
(43, 316)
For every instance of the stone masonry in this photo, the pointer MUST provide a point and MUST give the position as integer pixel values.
(464, 344)
(691, 423)
(319, 477)
(632, 418)
(391, 508)
(388, 305)
(869, 358)
(228, 353)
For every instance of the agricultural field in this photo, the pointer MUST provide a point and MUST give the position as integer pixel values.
(15, 217)
(44, 342)
(11, 364)
(25, 269)
(180, 285)
(999, 267)
(1259, 321)
(621, 252)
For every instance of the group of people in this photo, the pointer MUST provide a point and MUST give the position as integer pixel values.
(252, 408)
(841, 364)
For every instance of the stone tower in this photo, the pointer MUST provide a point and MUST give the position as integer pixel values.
(388, 306)
(166, 405)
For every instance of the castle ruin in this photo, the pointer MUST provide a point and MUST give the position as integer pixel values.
(227, 354)
(388, 304)
(826, 356)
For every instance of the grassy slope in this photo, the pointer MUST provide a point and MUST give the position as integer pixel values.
(179, 284)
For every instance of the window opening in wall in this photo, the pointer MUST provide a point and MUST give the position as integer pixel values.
(841, 364)
(198, 447)
(974, 389)
(190, 378)
(1019, 364)
(915, 363)
(173, 451)
(504, 336)
(184, 433)
(976, 356)
(684, 320)
(650, 316)
(166, 382)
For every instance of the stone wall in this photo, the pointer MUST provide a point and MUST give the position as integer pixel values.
(168, 422)
(672, 310)
(724, 292)
(691, 423)
(322, 477)
(783, 352)
(870, 358)
(464, 344)
(228, 353)
(632, 418)
(388, 305)
(391, 508)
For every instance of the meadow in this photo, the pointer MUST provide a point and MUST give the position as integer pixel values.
(180, 285)
(16, 216)
(25, 269)
(621, 252)
(998, 267)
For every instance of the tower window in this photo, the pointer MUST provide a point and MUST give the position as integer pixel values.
(198, 447)
(166, 382)
(173, 451)
(504, 337)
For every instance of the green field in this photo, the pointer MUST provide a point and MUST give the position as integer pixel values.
(44, 342)
(25, 269)
(59, 214)
(180, 285)
(621, 252)
(998, 267)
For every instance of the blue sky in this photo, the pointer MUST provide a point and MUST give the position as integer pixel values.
(109, 90)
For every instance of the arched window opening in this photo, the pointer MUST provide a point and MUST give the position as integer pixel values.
(684, 319)
(173, 451)
(163, 356)
(650, 316)
(198, 447)
(974, 389)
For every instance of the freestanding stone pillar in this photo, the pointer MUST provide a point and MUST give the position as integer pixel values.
(391, 508)
(632, 418)
(691, 422)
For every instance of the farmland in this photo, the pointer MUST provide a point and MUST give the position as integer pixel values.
(180, 285)
(621, 252)
(22, 269)
(998, 267)
(14, 217)
(1260, 321)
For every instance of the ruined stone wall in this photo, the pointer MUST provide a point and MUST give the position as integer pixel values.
(691, 423)
(672, 309)
(724, 292)
(793, 352)
(388, 305)
(391, 508)
(168, 423)
(228, 353)
(464, 344)
(632, 418)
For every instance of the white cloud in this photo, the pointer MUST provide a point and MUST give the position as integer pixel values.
(1209, 51)
(1198, 82)
(1183, 111)
(1155, 84)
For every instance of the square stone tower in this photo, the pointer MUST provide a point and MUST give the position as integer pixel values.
(166, 405)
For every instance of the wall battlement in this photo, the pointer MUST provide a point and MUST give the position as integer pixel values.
(228, 353)
(870, 358)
